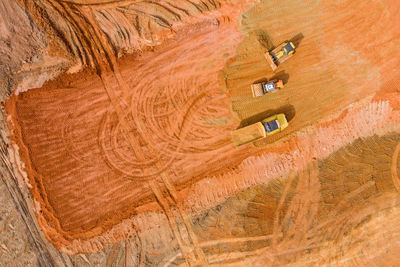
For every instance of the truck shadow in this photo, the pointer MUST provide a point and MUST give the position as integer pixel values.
(288, 110)
(282, 75)
(265, 39)
(296, 40)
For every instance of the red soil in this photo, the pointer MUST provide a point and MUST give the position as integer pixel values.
(179, 114)
(87, 179)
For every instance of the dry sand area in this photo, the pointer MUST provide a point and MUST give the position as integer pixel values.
(117, 132)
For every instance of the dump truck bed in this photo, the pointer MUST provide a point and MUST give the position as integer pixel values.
(270, 61)
(248, 134)
(278, 48)
(257, 89)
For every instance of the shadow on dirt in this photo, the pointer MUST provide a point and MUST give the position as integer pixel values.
(264, 39)
(267, 42)
(296, 40)
(288, 110)
(282, 75)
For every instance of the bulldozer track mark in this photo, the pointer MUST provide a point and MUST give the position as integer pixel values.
(171, 146)
(353, 194)
(137, 21)
(216, 242)
(278, 209)
(75, 30)
(123, 118)
(108, 54)
(97, 50)
(272, 257)
(111, 256)
(103, 48)
(303, 207)
(331, 218)
(175, 144)
(186, 220)
(69, 145)
(158, 19)
(395, 176)
(154, 103)
(115, 167)
(169, 10)
(185, 11)
(122, 156)
(188, 255)
(126, 128)
(195, 6)
(128, 253)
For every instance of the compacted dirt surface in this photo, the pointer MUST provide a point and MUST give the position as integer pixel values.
(116, 133)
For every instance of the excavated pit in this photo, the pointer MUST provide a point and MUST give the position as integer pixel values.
(142, 146)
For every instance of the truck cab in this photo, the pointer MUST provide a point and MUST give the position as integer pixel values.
(275, 124)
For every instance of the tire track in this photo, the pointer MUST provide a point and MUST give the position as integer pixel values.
(138, 119)
(395, 176)
(188, 255)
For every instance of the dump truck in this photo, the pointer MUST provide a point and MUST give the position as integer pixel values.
(260, 89)
(257, 131)
(280, 54)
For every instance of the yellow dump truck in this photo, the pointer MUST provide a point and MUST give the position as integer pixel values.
(269, 126)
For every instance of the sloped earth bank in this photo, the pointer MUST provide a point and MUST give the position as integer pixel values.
(340, 211)
(139, 150)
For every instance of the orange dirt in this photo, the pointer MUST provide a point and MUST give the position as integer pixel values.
(330, 213)
(181, 121)
(341, 58)
(104, 151)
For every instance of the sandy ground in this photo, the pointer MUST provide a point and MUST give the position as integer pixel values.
(133, 159)
(15, 247)
(340, 59)
(323, 215)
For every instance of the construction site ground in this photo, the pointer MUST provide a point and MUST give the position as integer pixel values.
(131, 162)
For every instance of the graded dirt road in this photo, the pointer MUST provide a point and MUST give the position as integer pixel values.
(139, 146)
